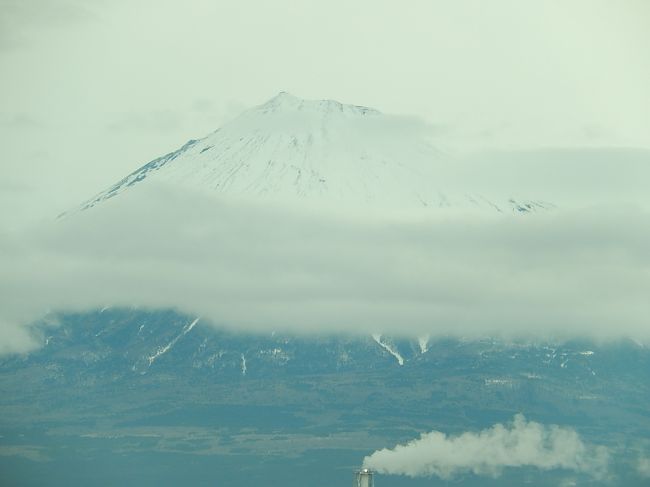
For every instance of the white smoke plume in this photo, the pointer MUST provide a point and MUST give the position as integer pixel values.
(520, 443)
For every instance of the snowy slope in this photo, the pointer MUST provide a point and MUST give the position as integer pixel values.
(319, 150)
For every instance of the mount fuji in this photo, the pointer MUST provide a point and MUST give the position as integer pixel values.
(126, 393)
(151, 392)
(323, 152)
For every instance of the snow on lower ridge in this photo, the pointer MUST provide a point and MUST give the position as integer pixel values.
(423, 342)
(243, 364)
(163, 350)
(388, 348)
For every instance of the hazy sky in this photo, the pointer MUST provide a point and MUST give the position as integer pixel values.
(90, 90)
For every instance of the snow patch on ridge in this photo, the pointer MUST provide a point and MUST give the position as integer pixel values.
(388, 348)
(163, 350)
(423, 342)
(243, 364)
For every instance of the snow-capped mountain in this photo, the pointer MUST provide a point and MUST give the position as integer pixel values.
(321, 151)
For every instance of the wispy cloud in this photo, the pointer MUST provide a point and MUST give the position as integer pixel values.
(521, 443)
(21, 20)
(20, 121)
(159, 121)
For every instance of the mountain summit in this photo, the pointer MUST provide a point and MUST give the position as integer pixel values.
(318, 150)
(286, 101)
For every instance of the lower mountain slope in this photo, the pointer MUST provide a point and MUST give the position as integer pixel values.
(136, 388)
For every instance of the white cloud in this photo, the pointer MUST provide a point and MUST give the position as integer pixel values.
(519, 444)
(260, 267)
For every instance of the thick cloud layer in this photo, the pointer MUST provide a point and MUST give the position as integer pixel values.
(261, 267)
(488, 452)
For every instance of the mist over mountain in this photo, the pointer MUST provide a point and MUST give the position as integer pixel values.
(313, 284)
(315, 216)
(315, 243)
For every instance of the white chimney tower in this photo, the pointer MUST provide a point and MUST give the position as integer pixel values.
(363, 478)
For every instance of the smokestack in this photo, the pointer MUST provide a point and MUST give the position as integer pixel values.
(363, 478)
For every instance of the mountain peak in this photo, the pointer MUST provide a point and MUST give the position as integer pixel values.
(285, 101)
(291, 148)
(282, 100)
(285, 96)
